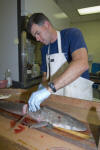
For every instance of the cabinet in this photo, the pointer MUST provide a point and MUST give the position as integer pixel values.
(9, 39)
(13, 51)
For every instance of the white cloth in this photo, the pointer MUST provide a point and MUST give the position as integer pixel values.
(80, 88)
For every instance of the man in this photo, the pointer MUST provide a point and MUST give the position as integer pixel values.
(64, 61)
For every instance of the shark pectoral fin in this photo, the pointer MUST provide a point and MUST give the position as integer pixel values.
(39, 125)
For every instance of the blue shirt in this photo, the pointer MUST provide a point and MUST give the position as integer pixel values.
(71, 40)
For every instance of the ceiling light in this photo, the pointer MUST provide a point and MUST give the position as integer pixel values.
(89, 10)
(60, 15)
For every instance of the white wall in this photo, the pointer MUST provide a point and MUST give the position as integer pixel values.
(91, 32)
(8, 33)
(48, 7)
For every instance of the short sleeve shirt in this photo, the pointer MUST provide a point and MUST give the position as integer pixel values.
(71, 40)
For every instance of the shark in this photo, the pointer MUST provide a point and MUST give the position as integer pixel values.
(45, 115)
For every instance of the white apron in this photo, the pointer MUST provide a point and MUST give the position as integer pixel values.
(80, 88)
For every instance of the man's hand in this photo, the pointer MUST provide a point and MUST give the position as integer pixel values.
(37, 98)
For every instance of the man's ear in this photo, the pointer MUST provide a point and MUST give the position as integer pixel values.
(46, 24)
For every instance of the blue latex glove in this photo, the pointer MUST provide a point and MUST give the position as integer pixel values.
(40, 86)
(37, 98)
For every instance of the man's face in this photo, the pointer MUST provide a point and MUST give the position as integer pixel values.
(41, 33)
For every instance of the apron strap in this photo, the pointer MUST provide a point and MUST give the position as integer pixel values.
(49, 49)
(59, 42)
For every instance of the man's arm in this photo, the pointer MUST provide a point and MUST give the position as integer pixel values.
(78, 65)
(44, 75)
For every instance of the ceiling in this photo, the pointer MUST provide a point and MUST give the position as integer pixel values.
(70, 8)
